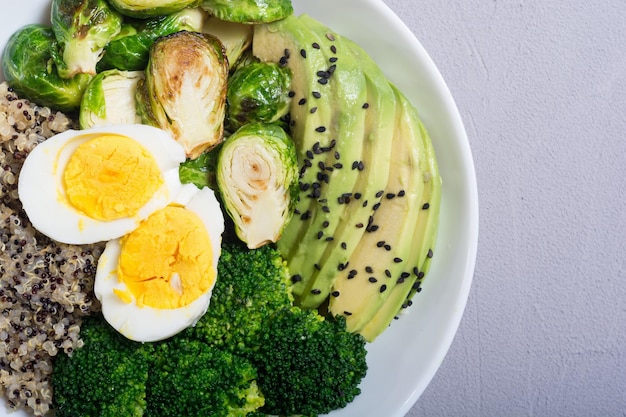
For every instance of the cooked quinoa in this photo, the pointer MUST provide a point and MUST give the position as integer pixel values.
(45, 286)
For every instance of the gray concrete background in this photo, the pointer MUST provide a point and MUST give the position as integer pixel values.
(541, 87)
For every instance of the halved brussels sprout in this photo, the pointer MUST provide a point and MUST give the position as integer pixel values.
(236, 37)
(258, 92)
(130, 49)
(110, 99)
(248, 11)
(257, 175)
(82, 28)
(144, 9)
(185, 86)
(30, 70)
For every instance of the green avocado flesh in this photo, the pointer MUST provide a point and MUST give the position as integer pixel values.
(359, 237)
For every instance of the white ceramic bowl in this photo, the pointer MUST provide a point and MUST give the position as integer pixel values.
(404, 359)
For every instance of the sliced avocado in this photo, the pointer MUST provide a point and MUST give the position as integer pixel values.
(424, 244)
(289, 43)
(382, 257)
(360, 203)
(337, 175)
(330, 148)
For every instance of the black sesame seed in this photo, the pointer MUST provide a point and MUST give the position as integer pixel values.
(330, 239)
(376, 206)
(315, 45)
(296, 278)
(361, 166)
(347, 313)
(405, 275)
(326, 223)
(359, 225)
(333, 49)
(313, 110)
(401, 193)
(352, 274)
(369, 269)
(387, 273)
(430, 253)
(372, 280)
(316, 291)
(383, 288)
(325, 209)
(357, 196)
(330, 36)
(355, 164)
(323, 81)
(426, 206)
(397, 260)
(318, 267)
(316, 94)
(320, 129)
(387, 247)
(303, 53)
(365, 105)
(390, 196)
(333, 59)
(335, 293)
(344, 245)
(415, 271)
(380, 193)
(291, 94)
(320, 234)
(302, 101)
(338, 165)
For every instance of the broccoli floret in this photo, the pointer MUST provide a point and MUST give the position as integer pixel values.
(307, 364)
(191, 378)
(251, 286)
(106, 377)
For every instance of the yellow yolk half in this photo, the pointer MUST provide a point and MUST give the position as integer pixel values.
(110, 177)
(167, 261)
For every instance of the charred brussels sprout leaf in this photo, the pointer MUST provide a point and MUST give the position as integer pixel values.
(131, 48)
(29, 68)
(110, 99)
(82, 28)
(202, 170)
(257, 175)
(185, 89)
(248, 11)
(144, 9)
(258, 92)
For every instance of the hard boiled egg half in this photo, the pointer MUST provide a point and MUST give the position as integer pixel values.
(97, 184)
(157, 280)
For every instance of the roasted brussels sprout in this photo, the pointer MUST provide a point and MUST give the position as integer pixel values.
(82, 28)
(185, 89)
(110, 99)
(258, 92)
(29, 69)
(144, 9)
(248, 11)
(236, 37)
(257, 175)
(130, 49)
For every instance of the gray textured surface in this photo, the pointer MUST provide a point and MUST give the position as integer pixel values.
(541, 86)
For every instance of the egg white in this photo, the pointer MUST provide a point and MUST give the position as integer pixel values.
(42, 193)
(149, 324)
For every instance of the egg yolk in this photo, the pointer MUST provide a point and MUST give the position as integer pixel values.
(167, 261)
(110, 177)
